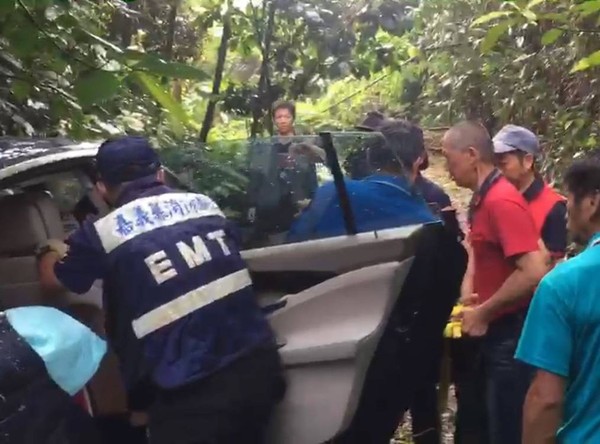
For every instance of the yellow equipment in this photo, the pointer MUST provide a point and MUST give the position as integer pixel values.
(453, 328)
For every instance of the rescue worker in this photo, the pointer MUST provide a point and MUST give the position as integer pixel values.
(193, 344)
(425, 415)
(516, 150)
(391, 197)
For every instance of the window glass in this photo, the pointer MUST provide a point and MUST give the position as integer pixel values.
(266, 185)
(66, 190)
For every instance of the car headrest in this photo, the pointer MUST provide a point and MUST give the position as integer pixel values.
(26, 220)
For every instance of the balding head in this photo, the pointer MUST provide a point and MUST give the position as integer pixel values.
(469, 153)
(470, 134)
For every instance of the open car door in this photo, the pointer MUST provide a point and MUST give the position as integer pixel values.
(357, 315)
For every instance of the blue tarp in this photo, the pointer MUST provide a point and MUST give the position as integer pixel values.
(70, 351)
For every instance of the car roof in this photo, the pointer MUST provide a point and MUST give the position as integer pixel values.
(21, 154)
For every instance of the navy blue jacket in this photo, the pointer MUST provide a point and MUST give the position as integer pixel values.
(178, 296)
(433, 194)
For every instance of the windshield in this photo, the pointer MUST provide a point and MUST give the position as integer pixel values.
(281, 190)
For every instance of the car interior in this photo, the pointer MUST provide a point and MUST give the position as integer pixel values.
(354, 315)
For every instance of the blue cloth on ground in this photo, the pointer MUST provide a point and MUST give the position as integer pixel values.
(71, 352)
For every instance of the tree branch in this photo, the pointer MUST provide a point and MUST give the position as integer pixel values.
(40, 28)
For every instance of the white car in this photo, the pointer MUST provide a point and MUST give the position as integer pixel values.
(355, 315)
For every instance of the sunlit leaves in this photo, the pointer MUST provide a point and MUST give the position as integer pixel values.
(587, 62)
(551, 36)
(482, 69)
(533, 3)
(494, 34)
(491, 16)
(176, 70)
(179, 117)
(588, 7)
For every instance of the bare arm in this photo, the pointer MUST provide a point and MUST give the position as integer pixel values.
(531, 268)
(310, 150)
(48, 280)
(466, 287)
(542, 412)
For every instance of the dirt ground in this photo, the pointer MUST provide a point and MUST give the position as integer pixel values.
(460, 199)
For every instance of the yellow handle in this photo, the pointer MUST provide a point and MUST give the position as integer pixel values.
(453, 328)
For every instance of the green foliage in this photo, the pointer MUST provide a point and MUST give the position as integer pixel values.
(61, 71)
(96, 87)
(89, 69)
(217, 168)
(530, 63)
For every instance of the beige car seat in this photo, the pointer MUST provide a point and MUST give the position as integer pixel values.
(25, 221)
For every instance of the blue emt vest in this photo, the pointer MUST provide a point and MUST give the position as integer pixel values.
(178, 295)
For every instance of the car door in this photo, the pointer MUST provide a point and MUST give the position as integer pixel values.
(355, 315)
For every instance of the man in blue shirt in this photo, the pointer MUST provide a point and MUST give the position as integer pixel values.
(561, 337)
(384, 199)
(194, 347)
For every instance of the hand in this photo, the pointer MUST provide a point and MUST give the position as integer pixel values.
(474, 322)
(56, 246)
(314, 153)
(469, 300)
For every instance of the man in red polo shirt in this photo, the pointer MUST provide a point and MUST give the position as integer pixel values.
(508, 266)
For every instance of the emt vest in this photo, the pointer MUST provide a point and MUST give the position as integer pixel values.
(542, 204)
(179, 299)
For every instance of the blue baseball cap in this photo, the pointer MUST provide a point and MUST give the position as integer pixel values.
(125, 159)
(516, 138)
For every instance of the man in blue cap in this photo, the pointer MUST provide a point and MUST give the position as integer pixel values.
(516, 150)
(195, 349)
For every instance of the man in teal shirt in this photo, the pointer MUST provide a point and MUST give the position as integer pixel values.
(561, 337)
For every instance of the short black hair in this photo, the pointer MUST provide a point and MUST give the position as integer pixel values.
(583, 176)
(284, 104)
(371, 122)
(470, 133)
(404, 143)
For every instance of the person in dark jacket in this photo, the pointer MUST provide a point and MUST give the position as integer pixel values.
(425, 416)
(47, 357)
(356, 162)
(195, 349)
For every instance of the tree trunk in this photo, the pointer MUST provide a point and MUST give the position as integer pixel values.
(263, 100)
(172, 22)
(216, 88)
